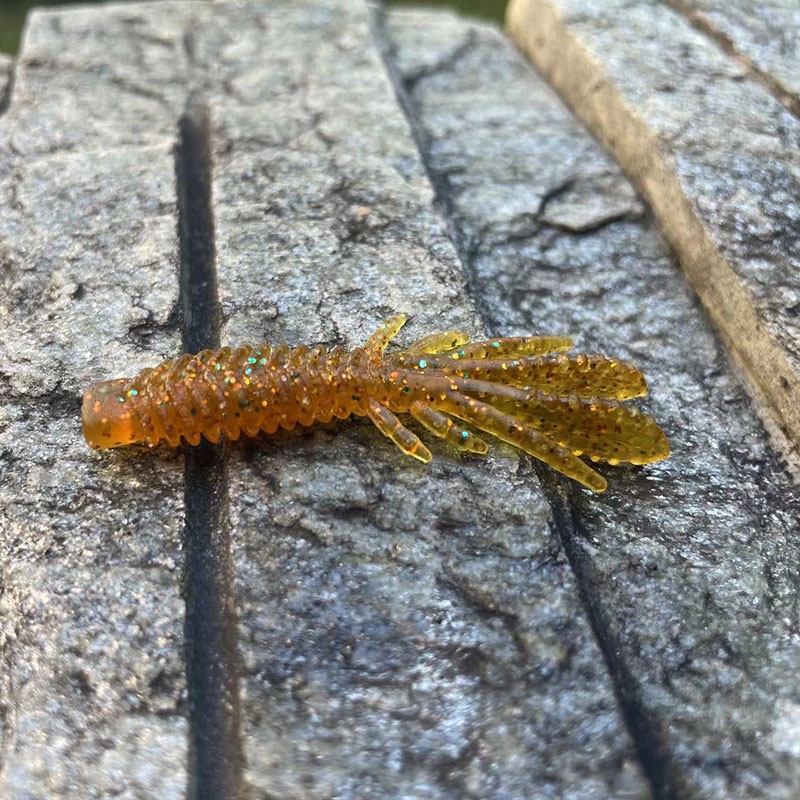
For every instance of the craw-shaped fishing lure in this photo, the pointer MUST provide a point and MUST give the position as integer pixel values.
(522, 390)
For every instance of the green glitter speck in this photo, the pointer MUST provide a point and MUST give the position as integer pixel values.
(121, 399)
(133, 392)
(495, 344)
(465, 434)
(423, 363)
(263, 362)
(248, 371)
(251, 360)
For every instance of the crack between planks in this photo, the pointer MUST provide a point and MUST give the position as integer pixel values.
(212, 669)
(646, 734)
(440, 182)
(702, 23)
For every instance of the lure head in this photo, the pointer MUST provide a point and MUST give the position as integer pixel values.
(108, 415)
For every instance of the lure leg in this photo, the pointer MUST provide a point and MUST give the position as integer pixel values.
(443, 427)
(603, 430)
(439, 342)
(586, 376)
(386, 332)
(388, 424)
(514, 346)
(526, 437)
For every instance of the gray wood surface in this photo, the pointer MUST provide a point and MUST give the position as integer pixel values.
(469, 628)
(390, 613)
(763, 35)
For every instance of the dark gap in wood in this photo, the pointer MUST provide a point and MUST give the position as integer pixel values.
(5, 96)
(665, 781)
(212, 663)
(199, 301)
(650, 749)
(441, 183)
(702, 23)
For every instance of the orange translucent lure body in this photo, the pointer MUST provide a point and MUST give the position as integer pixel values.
(552, 406)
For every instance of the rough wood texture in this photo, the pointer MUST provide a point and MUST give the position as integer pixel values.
(764, 35)
(92, 681)
(466, 629)
(688, 568)
(714, 154)
(6, 65)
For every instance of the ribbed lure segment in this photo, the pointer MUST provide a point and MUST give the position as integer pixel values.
(231, 392)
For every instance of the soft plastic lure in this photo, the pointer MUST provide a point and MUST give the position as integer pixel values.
(552, 406)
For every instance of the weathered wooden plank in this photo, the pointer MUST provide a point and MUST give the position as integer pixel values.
(130, 58)
(92, 622)
(764, 35)
(713, 153)
(406, 630)
(92, 684)
(688, 568)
